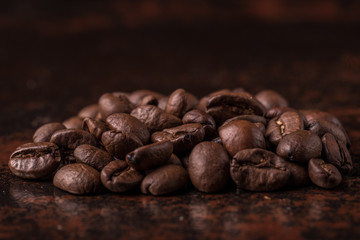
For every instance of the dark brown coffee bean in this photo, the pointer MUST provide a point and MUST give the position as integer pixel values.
(271, 99)
(137, 96)
(250, 118)
(154, 118)
(324, 174)
(150, 156)
(71, 138)
(110, 104)
(95, 127)
(89, 111)
(208, 167)
(183, 137)
(44, 133)
(74, 122)
(92, 156)
(241, 134)
(34, 160)
(299, 146)
(118, 144)
(176, 104)
(279, 127)
(203, 100)
(123, 122)
(336, 153)
(259, 170)
(77, 178)
(149, 100)
(299, 174)
(119, 177)
(165, 180)
(320, 127)
(199, 116)
(277, 111)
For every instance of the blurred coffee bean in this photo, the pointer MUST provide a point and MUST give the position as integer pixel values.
(137, 96)
(110, 104)
(320, 127)
(44, 133)
(89, 111)
(271, 99)
(74, 122)
(324, 174)
(149, 100)
(71, 138)
(277, 111)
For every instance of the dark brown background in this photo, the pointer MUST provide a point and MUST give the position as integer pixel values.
(58, 56)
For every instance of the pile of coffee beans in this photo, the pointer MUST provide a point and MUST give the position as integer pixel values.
(162, 144)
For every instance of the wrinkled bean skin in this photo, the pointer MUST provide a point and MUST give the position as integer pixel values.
(208, 167)
(150, 156)
(324, 174)
(77, 178)
(118, 176)
(95, 127)
(92, 156)
(271, 99)
(155, 118)
(74, 122)
(123, 122)
(44, 133)
(183, 137)
(259, 170)
(241, 134)
(300, 146)
(34, 160)
(336, 153)
(89, 111)
(114, 103)
(199, 116)
(165, 180)
(71, 138)
(118, 144)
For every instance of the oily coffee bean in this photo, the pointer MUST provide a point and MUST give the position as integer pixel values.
(114, 103)
(118, 144)
(299, 146)
(95, 127)
(199, 116)
(336, 153)
(118, 176)
(77, 178)
(123, 122)
(150, 156)
(35, 160)
(89, 111)
(208, 167)
(183, 137)
(74, 122)
(324, 174)
(259, 170)
(283, 125)
(92, 156)
(241, 134)
(155, 118)
(165, 180)
(71, 138)
(271, 99)
(44, 133)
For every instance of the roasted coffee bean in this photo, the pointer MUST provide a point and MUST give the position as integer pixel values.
(241, 134)
(208, 167)
(259, 170)
(118, 144)
(77, 178)
(118, 176)
(314, 115)
(44, 133)
(183, 137)
(300, 146)
(95, 127)
(299, 174)
(277, 111)
(123, 122)
(154, 118)
(35, 160)
(114, 103)
(320, 127)
(324, 174)
(203, 100)
(250, 118)
(271, 99)
(74, 122)
(199, 116)
(137, 96)
(279, 127)
(180, 102)
(165, 180)
(150, 156)
(92, 156)
(174, 160)
(89, 111)
(71, 138)
(149, 100)
(336, 153)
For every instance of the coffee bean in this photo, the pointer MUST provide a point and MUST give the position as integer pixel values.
(259, 170)
(137, 96)
(180, 102)
(208, 167)
(71, 138)
(336, 153)
(114, 103)
(44, 133)
(250, 118)
(199, 116)
(149, 100)
(34, 160)
(299, 146)
(74, 122)
(277, 111)
(89, 111)
(77, 178)
(92, 156)
(95, 127)
(150, 156)
(324, 174)
(174, 160)
(165, 180)
(118, 176)
(241, 134)
(271, 99)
